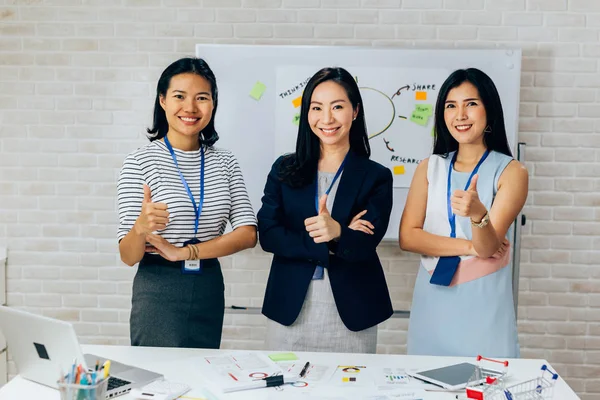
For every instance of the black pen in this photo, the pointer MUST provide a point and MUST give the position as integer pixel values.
(303, 372)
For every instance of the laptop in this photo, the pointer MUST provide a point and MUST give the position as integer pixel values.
(43, 348)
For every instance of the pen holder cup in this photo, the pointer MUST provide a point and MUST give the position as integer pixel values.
(71, 391)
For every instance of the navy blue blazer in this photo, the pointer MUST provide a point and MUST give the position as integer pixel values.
(357, 280)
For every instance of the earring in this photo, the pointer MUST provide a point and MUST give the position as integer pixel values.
(354, 119)
(488, 129)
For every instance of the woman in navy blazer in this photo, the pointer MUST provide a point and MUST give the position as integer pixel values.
(325, 209)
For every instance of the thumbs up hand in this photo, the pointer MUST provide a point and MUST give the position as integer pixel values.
(153, 217)
(323, 205)
(323, 228)
(473, 185)
(466, 203)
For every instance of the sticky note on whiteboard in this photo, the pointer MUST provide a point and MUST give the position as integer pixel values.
(426, 109)
(258, 90)
(419, 118)
(297, 101)
(420, 95)
(399, 170)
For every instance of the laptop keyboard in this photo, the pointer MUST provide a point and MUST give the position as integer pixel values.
(114, 383)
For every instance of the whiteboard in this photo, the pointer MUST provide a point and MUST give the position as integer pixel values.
(260, 87)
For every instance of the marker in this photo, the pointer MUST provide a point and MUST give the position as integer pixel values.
(303, 372)
(106, 368)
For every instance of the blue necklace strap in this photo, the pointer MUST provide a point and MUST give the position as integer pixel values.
(451, 216)
(335, 178)
(197, 208)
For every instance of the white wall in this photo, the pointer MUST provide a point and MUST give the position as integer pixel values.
(76, 89)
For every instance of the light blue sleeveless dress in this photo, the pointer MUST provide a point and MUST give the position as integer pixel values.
(471, 318)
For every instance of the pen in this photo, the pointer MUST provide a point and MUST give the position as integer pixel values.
(269, 381)
(303, 372)
(71, 378)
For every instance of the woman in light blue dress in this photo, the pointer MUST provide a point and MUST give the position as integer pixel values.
(460, 207)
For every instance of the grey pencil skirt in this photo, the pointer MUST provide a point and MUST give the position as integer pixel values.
(171, 309)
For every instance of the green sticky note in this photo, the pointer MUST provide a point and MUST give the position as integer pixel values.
(419, 118)
(258, 90)
(433, 131)
(283, 357)
(296, 119)
(424, 109)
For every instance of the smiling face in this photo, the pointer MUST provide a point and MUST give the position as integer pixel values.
(331, 113)
(188, 105)
(465, 115)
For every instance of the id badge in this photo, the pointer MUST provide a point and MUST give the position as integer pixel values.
(191, 267)
(444, 271)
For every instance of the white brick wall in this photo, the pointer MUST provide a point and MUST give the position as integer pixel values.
(76, 84)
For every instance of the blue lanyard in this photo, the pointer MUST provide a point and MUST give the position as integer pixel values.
(197, 208)
(451, 216)
(335, 178)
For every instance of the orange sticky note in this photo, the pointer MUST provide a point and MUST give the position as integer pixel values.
(420, 95)
(297, 101)
(399, 170)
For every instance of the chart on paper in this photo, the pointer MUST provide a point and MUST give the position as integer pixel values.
(237, 369)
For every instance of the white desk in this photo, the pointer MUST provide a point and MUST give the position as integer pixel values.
(176, 365)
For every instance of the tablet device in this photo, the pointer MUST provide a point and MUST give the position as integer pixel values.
(453, 377)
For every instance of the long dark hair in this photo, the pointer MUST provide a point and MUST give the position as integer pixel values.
(197, 66)
(300, 168)
(494, 137)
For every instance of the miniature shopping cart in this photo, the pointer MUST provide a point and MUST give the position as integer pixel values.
(485, 383)
(540, 388)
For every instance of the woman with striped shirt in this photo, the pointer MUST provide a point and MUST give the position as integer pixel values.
(175, 197)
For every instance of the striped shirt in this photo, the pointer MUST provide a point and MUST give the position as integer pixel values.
(225, 195)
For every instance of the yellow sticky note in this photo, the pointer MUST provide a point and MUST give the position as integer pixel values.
(297, 101)
(399, 170)
(258, 90)
(345, 379)
(420, 95)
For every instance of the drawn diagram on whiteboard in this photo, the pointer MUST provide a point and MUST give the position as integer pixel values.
(399, 112)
